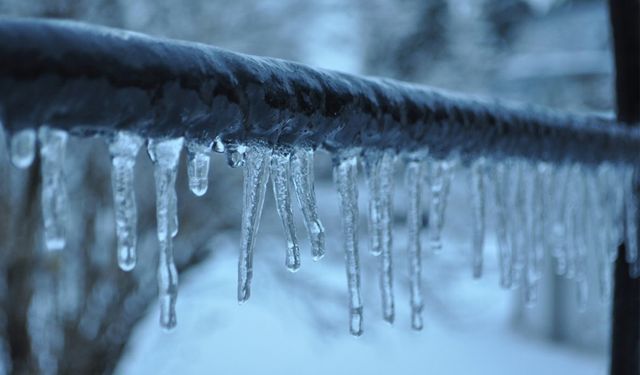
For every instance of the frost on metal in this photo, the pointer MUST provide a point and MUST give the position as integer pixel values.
(562, 184)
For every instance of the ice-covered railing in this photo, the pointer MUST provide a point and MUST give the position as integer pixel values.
(562, 183)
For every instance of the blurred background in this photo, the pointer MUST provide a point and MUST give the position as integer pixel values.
(75, 312)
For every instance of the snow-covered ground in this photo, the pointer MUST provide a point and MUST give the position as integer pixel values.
(298, 323)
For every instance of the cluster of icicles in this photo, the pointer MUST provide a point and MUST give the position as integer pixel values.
(570, 211)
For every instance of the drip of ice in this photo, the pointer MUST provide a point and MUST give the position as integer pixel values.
(23, 148)
(501, 188)
(413, 180)
(256, 176)
(440, 174)
(281, 177)
(235, 155)
(477, 190)
(303, 182)
(124, 147)
(345, 172)
(198, 167)
(166, 155)
(53, 143)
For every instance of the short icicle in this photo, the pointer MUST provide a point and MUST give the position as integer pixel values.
(23, 148)
(345, 172)
(166, 155)
(53, 143)
(198, 153)
(413, 179)
(280, 178)
(256, 177)
(303, 182)
(440, 180)
(123, 148)
(478, 170)
(371, 162)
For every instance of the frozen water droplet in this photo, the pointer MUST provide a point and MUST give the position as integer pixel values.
(53, 143)
(124, 147)
(281, 177)
(371, 162)
(198, 167)
(440, 174)
(345, 172)
(413, 179)
(23, 148)
(477, 191)
(256, 176)
(166, 155)
(303, 182)
(236, 155)
(218, 145)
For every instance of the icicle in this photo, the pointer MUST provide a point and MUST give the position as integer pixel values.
(413, 178)
(538, 222)
(235, 155)
(379, 168)
(518, 225)
(303, 181)
(166, 157)
(600, 228)
(440, 179)
(198, 167)
(345, 173)
(280, 177)
(631, 216)
(371, 162)
(54, 194)
(581, 213)
(557, 206)
(477, 191)
(501, 185)
(256, 176)
(23, 148)
(124, 147)
(386, 174)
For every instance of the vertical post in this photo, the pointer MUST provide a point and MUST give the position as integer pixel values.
(625, 329)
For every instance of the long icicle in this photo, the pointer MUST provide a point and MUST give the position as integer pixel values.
(53, 143)
(478, 203)
(23, 148)
(166, 157)
(413, 179)
(501, 189)
(303, 182)
(198, 154)
(256, 176)
(345, 172)
(386, 174)
(280, 178)
(124, 147)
